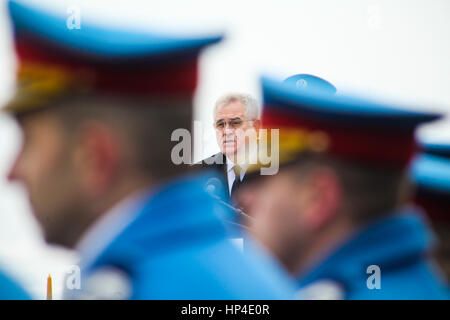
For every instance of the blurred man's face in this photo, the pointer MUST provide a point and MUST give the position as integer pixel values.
(289, 209)
(44, 167)
(231, 124)
(276, 205)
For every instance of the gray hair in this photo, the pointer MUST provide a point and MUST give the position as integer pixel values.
(250, 103)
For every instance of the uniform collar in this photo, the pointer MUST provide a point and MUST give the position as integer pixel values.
(389, 242)
(108, 226)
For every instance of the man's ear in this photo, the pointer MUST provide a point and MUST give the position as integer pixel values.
(325, 196)
(97, 157)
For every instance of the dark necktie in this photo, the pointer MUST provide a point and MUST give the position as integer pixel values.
(237, 179)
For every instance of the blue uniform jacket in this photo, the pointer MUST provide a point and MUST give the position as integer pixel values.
(178, 248)
(9, 290)
(400, 246)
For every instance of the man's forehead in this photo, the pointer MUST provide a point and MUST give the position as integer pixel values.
(235, 109)
(42, 121)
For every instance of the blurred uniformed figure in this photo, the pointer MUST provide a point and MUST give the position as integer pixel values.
(11, 290)
(335, 213)
(430, 171)
(98, 108)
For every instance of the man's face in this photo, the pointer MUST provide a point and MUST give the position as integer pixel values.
(44, 167)
(275, 204)
(292, 208)
(287, 209)
(231, 125)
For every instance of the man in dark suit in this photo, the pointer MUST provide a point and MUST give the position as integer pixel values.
(236, 121)
(236, 115)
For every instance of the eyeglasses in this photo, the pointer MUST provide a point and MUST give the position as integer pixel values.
(233, 124)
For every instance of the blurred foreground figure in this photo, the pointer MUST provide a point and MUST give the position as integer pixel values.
(97, 108)
(335, 212)
(10, 290)
(430, 172)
